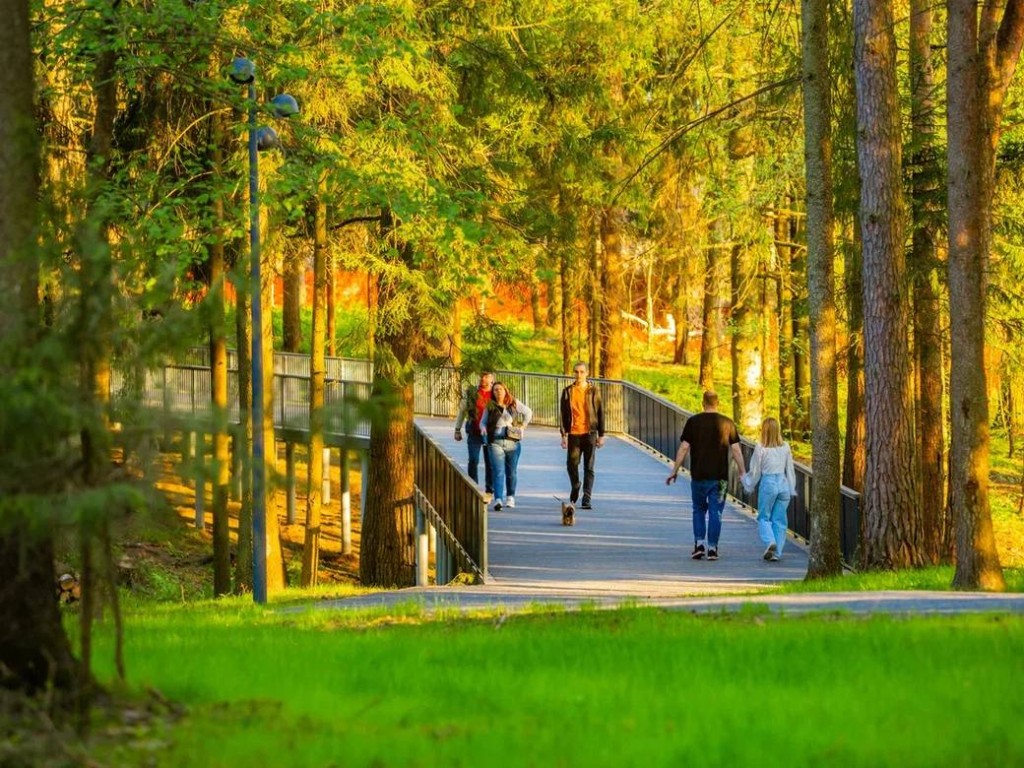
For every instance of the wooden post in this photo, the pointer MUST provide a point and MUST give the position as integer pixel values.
(289, 460)
(195, 455)
(421, 548)
(326, 492)
(346, 506)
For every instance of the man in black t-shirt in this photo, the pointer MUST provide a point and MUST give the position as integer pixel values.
(710, 438)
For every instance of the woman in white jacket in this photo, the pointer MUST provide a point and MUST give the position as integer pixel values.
(772, 464)
(502, 426)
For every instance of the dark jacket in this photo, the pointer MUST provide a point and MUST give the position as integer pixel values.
(519, 412)
(595, 410)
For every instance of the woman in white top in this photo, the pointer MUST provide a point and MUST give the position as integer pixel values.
(502, 425)
(772, 464)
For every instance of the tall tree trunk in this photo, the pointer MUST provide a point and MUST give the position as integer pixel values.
(35, 654)
(566, 308)
(595, 303)
(291, 305)
(824, 557)
(892, 496)
(747, 369)
(536, 315)
(980, 68)
(613, 289)
(331, 299)
(787, 388)
(317, 377)
(854, 451)
(709, 318)
(801, 347)
(924, 261)
(745, 341)
(219, 381)
(455, 345)
(554, 305)
(681, 311)
(96, 262)
(385, 557)
(243, 440)
(275, 559)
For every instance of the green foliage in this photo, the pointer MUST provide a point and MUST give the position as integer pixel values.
(487, 345)
(393, 687)
(935, 578)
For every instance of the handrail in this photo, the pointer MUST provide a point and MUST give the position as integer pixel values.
(629, 409)
(643, 416)
(454, 505)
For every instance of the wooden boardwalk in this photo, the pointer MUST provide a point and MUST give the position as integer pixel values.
(635, 542)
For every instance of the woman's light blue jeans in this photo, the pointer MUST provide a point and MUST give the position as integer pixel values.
(504, 464)
(772, 502)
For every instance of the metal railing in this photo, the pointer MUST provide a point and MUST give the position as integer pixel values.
(643, 416)
(630, 410)
(456, 509)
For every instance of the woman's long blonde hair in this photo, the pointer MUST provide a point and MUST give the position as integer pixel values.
(771, 433)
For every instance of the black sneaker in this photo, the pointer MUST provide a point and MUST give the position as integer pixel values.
(698, 552)
(713, 553)
(586, 504)
(769, 553)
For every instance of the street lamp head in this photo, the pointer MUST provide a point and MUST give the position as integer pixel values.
(243, 71)
(284, 105)
(266, 138)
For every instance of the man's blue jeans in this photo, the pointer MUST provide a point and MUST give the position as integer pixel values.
(474, 443)
(708, 503)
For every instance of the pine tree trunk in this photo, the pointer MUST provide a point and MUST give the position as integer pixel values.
(243, 441)
(924, 260)
(855, 450)
(892, 531)
(275, 561)
(801, 346)
(35, 654)
(613, 289)
(219, 381)
(291, 322)
(331, 299)
(979, 72)
(824, 559)
(317, 377)
(681, 312)
(386, 556)
(745, 341)
(787, 389)
(595, 302)
(709, 319)
(566, 309)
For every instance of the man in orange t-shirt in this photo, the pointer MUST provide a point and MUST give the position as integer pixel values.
(582, 427)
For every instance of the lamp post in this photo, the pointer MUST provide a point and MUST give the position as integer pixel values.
(243, 72)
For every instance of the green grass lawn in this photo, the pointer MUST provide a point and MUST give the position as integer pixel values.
(632, 687)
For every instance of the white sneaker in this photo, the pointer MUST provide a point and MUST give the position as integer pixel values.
(510, 502)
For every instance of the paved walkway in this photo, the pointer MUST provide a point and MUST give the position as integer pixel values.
(634, 547)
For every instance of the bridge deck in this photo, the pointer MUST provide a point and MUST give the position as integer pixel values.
(637, 539)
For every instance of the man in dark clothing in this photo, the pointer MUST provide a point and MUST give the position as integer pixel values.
(582, 427)
(474, 403)
(710, 438)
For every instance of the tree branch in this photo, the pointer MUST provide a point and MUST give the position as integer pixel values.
(682, 131)
(356, 220)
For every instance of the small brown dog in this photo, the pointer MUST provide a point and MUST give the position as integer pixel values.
(568, 513)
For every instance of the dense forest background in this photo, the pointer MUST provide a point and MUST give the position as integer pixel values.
(828, 195)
